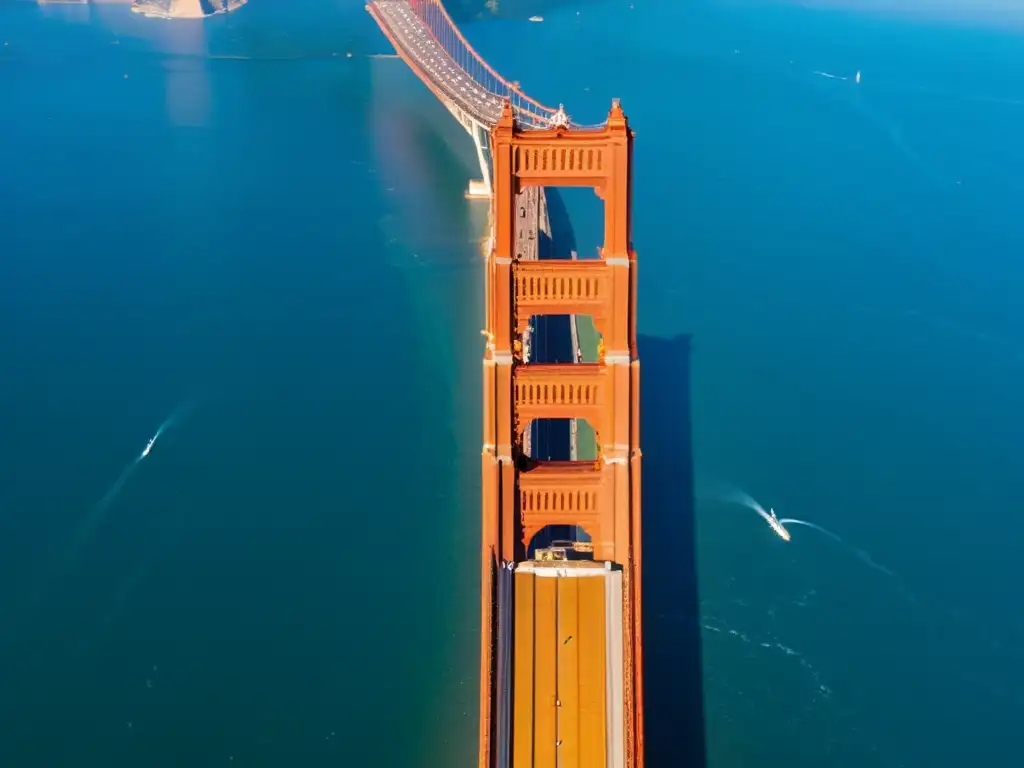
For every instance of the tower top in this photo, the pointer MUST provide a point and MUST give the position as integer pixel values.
(507, 116)
(615, 115)
(560, 119)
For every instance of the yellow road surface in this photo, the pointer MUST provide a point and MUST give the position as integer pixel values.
(560, 685)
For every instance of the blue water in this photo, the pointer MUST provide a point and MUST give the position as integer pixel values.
(229, 215)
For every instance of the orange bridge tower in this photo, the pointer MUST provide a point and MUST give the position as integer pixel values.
(561, 664)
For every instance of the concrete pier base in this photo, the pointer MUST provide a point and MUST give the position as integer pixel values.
(478, 190)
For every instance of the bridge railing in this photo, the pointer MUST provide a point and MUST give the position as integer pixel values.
(503, 663)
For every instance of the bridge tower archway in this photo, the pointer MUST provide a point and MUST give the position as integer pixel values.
(554, 535)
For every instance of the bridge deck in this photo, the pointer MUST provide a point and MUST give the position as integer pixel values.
(556, 665)
(413, 40)
(568, 666)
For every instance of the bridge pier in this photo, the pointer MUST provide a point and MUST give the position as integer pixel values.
(480, 189)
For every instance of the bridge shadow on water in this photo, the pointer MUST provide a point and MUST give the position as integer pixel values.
(673, 681)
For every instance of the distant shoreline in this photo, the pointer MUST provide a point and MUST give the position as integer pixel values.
(183, 9)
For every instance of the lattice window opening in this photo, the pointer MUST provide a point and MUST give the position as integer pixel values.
(557, 501)
(558, 394)
(582, 161)
(559, 287)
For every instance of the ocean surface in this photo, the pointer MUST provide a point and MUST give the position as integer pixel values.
(231, 231)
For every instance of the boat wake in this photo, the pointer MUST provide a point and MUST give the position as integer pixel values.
(99, 511)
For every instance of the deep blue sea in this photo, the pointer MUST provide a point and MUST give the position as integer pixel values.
(233, 222)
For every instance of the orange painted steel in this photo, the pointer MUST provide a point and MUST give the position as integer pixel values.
(521, 496)
(552, 287)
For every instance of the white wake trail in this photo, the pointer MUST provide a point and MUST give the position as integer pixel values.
(98, 513)
(860, 553)
(108, 498)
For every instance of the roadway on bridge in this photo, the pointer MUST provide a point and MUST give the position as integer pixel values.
(568, 665)
(414, 38)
